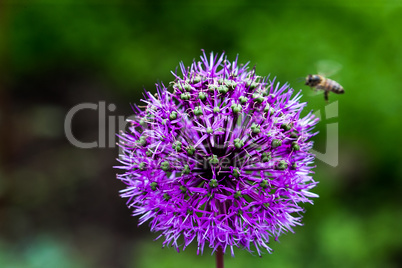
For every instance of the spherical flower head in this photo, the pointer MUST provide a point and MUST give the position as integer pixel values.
(220, 157)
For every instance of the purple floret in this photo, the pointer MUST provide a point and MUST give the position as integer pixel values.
(220, 157)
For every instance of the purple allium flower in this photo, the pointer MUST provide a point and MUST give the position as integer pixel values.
(220, 157)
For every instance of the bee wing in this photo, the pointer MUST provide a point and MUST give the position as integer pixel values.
(328, 67)
(314, 93)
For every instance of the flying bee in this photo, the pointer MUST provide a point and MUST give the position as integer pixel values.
(320, 82)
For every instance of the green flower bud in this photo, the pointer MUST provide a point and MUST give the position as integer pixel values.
(264, 184)
(197, 111)
(213, 160)
(213, 183)
(265, 157)
(236, 108)
(179, 86)
(276, 143)
(230, 84)
(255, 128)
(243, 99)
(177, 146)
(173, 115)
(186, 169)
(197, 79)
(251, 85)
(293, 135)
(142, 141)
(282, 165)
(258, 98)
(238, 143)
(202, 96)
(165, 166)
(238, 195)
(223, 89)
(286, 127)
(295, 146)
(142, 166)
(190, 150)
(185, 96)
(153, 186)
(236, 173)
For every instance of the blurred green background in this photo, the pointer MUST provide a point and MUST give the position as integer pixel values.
(59, 205)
